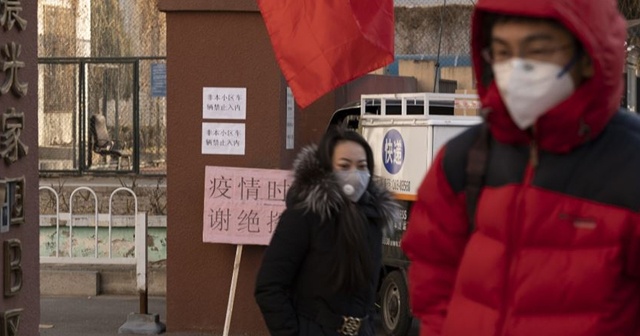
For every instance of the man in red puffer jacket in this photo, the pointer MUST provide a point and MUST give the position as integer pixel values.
(553, 246)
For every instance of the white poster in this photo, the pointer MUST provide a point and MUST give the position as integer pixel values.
(291, 108)
(243, 205)
(223, 138)
(224, 103)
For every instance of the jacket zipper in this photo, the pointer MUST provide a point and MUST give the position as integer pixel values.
(512, 233)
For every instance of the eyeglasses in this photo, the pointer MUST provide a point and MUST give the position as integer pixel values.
(500, 54)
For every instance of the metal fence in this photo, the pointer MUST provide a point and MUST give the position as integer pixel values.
(426, 28)
(72, 90)
(431, 29)
(102, 57)
(105, 28)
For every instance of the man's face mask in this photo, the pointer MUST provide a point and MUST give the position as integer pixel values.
(529, 88)
(354, 183)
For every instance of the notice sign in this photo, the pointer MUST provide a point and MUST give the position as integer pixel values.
(243, 205)
(223, 138)
(290, 121)
(224, 103)
(158, 80)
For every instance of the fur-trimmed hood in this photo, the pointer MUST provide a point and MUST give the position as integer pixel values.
(317, 190)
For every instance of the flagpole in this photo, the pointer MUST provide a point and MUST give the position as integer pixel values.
(436, 84)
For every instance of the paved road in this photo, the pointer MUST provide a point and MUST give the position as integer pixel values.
(103, 315)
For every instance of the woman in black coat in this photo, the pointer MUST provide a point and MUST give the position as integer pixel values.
(320, 272)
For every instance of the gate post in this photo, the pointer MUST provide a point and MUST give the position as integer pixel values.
(19, 229)
(220, 44)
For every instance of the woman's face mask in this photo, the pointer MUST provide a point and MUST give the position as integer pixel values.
(530, 88)
(349, 161)
(353, 182)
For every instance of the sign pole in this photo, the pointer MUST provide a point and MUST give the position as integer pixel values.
(232, 290)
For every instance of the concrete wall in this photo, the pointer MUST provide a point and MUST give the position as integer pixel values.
(122, 245)
(59, 279)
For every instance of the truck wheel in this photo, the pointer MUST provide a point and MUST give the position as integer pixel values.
(394, 305)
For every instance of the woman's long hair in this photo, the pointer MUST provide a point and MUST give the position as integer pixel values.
(352, 262)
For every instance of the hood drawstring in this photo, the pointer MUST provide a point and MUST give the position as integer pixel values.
(584, 130)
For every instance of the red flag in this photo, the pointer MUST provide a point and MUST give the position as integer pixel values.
(322, 44)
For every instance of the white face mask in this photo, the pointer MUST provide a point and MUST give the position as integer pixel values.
(530, 88)
(354, 183)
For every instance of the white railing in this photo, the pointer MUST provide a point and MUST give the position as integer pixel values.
(135, 198)
(140, 232)
(95, 222)
(140, 236)
(57, 216)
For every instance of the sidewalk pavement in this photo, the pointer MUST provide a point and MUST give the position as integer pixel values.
(99, 315)
(103, 315)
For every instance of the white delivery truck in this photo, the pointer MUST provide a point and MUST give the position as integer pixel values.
(405, 132)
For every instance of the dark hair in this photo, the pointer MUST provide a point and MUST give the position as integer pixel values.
(352, 264)
(337, 134)
(490, 19)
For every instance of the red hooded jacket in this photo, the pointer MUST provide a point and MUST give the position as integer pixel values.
(556, 246)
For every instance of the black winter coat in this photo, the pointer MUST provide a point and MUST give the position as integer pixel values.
(292, 287)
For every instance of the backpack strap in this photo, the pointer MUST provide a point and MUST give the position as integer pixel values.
(477, 159)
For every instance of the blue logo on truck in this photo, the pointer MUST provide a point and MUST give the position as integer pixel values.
(393, 151)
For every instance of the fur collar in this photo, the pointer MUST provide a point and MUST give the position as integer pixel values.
(318, 191)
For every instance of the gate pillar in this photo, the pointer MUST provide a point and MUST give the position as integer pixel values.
(216, 44)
